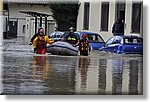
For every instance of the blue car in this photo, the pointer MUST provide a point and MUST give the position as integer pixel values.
(124, 44)
(96, 41)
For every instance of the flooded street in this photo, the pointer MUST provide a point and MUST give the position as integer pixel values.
(99, 73)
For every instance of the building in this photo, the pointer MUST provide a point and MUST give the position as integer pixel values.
(100, 15)
(21, 16)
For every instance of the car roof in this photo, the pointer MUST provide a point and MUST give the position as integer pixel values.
(128, 36)
(57, 32)
(85, 32)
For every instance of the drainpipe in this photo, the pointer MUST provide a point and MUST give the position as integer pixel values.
(46, 25)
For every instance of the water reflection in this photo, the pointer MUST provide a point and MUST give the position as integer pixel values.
(117, 76)
(133, 82)
(61, 76)
(112, 77)
(99, 73)
(102, 76)
(39, 67)
(81, 75)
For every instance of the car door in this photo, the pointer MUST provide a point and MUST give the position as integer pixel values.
(108, 46)
(134, 46)
(112, 44)
(96, 42)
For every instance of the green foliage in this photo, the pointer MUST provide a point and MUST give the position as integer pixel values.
(65, 14)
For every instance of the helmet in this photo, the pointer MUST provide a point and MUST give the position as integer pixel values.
(84, 35)
(71, 28)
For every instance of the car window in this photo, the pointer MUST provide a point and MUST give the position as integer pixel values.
(63, 37)
(57, 36)
(94, 38)
(117, 40)
(110, 41)
(133, 41)
(52, 36)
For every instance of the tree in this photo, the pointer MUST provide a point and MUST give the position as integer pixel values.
(65, 14)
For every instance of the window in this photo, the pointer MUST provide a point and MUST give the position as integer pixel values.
(23, 28)
(94, 38)
(136, 17)
(104, 16)
(133, 41)
(110, 41)
(5, 6)
(86, 15)
(117, 40)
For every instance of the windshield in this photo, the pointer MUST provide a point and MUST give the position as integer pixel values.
(63, 38)
(94, 38)
(133, 40)
(56, 35)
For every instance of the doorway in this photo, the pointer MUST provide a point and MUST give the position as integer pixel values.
(12, 29)
(120, 11)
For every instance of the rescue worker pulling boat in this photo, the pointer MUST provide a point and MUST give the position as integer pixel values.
(40, 42)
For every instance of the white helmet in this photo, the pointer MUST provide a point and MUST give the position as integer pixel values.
(71, 28)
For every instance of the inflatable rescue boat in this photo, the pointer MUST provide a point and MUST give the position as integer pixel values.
(62, 48)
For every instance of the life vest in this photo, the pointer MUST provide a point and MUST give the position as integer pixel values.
(41, 43)
(84, 45)
(72, 39)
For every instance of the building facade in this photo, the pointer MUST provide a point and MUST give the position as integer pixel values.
(18, 24)
(100, 15)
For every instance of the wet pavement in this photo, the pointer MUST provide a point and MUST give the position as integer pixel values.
(99, 73)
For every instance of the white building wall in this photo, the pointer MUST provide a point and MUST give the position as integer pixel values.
(21, 23)
(95, 17)
(111, 20)
(22, 18)
(128, 17)
(80, 17)
(14, 10)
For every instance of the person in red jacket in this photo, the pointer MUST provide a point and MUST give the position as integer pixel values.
(84, 45)
(40, 42)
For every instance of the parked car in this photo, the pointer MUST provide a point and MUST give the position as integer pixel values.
(124, 44)
(56, 36)
(96, 41)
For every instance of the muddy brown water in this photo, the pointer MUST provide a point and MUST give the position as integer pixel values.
(99, 73)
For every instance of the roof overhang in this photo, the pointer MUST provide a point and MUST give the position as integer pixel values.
(35, 14)
(28, 1)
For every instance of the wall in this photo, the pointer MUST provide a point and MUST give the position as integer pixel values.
(25, 19)
(95, 17)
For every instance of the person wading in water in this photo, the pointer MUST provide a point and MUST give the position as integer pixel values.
(40, 42)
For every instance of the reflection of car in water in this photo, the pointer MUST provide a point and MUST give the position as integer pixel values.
(56, 36)
(96, 41)
(124, 44)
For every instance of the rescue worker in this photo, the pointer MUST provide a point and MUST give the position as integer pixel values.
(72, 38)
(34, 36)
(84, 45)
(40, 42)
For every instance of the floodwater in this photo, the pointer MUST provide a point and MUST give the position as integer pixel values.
(99, 73)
